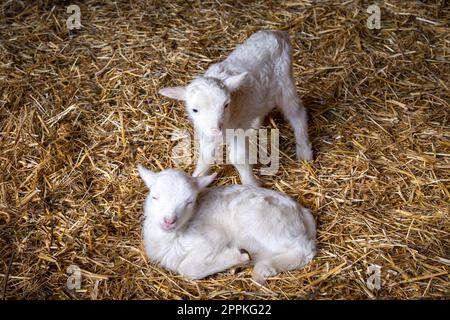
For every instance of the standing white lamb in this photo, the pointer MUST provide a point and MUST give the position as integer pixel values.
(238, 93)
(198, 232)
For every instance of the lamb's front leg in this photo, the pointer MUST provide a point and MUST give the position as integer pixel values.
(239, 157)
(197, 266)
(206, 157)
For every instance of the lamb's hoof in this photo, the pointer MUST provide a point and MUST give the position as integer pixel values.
(243, 260)
(235, 270)
(244, 256)
(304, 153)
(263, 271)
(252, 182)
(197, 174)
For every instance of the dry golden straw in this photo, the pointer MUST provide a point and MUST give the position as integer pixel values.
(79, 110)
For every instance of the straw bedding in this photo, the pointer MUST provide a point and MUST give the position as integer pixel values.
(79, 110)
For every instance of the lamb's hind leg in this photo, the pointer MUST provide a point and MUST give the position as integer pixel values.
(271, 266)
(294, 111)
(197, 266)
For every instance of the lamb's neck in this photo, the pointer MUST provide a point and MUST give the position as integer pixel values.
(218, 71)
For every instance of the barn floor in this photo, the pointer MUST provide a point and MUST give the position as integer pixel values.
(80, 110)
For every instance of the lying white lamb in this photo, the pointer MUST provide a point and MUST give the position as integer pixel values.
(198, 232)
(238, 93)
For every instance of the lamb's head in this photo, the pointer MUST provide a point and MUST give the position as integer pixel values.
(207, 101)
(173, 196)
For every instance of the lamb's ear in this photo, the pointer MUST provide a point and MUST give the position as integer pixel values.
(233, 83)
(178, 93)
(203, 182)
(147, 175)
